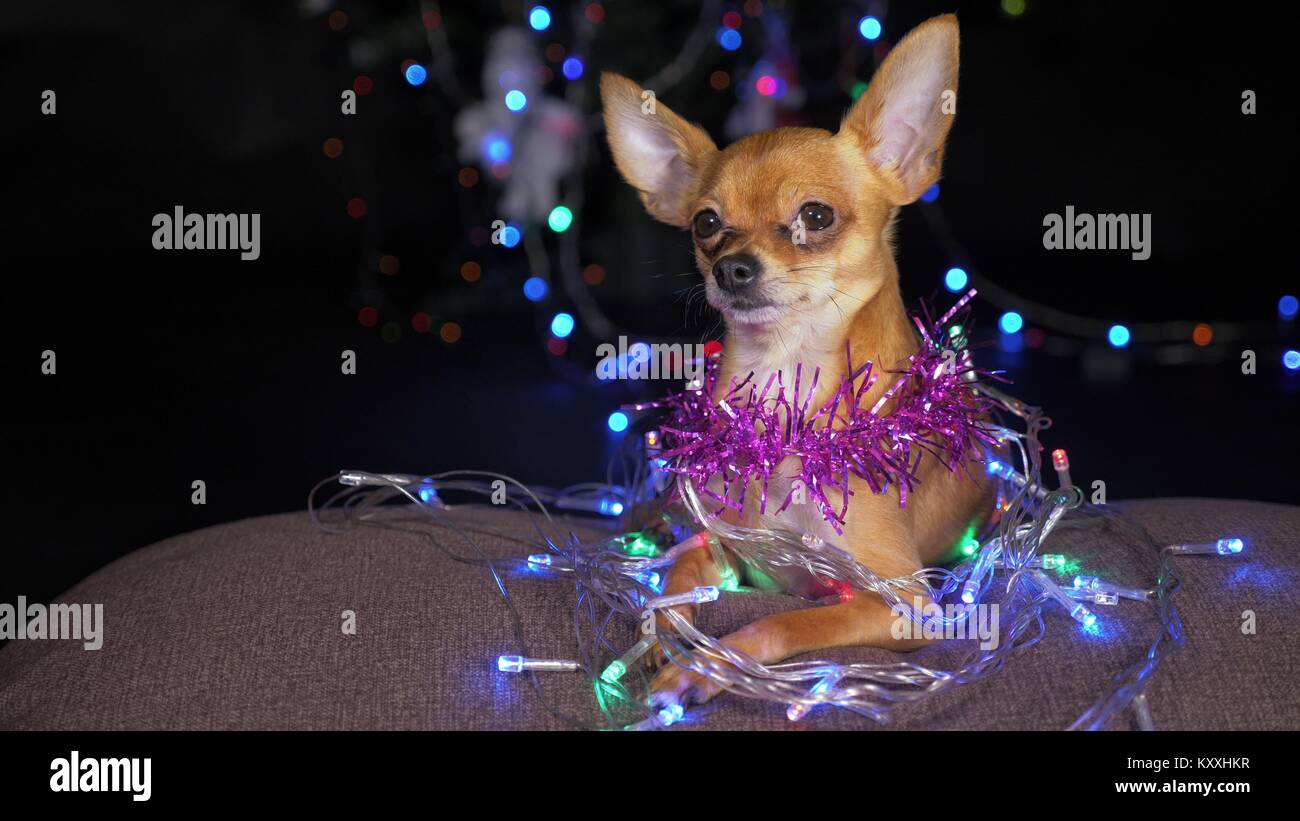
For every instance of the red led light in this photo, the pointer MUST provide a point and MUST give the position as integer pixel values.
(1060, 460)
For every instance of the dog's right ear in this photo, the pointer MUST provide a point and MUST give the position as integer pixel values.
(659, 154)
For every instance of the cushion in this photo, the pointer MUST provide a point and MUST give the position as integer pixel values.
(240, 627)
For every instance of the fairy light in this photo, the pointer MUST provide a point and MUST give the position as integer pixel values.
(1061, 462)
(1094, 584)
(619, 666)
(1223, 547)
(699, 595)
(798, 710)
(519, 664)
(1077, 610)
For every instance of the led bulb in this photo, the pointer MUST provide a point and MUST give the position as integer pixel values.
(1223, 547)
(540, 559)
(798, 710)
(705, 594)
(671, 714)
(699, 595)
(518, 664)
(1060, 459)
(1053, 561)
(614, 671)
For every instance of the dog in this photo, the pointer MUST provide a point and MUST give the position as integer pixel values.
(787, 302)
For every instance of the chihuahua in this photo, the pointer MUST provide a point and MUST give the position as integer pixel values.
(793, 231)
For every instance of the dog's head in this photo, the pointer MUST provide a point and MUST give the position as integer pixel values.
(793, 219)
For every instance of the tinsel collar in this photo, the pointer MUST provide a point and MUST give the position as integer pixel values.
(746, 434)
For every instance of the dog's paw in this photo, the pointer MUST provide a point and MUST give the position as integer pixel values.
(674, 685)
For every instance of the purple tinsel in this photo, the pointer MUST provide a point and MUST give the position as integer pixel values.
(748, 433)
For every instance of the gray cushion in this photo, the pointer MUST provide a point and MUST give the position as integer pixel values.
(239, 627)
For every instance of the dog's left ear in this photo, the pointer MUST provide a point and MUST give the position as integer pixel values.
(903, 117)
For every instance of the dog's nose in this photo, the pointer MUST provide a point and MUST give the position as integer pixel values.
(735, 272)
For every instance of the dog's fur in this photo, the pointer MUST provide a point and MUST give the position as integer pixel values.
(809, 301)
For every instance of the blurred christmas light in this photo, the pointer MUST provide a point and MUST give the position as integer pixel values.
(729, 39)
(510, 236)
(955, 280)
(562, 325)
(617, 421)
(560, 219)
(368, 317)
(1291, 359)
(869, 27)
(1013, 8)
(333, 147)
(535, 289)
(1202, 334)
(766, 85)
(450, 333)
(719, 80)
(416, 74)
(572, 68)
(731, 20)
(1118, 336)
(496, 147)
(356, 208)
(593, 274)
(1288, 306)
(362, 85)
(1011, 322)
(516, 100)
(595, 12)
(539, 18)
(931, 194)
(858, 88)
(471, 271)
(556, 346)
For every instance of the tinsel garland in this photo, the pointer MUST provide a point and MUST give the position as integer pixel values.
(747, 434)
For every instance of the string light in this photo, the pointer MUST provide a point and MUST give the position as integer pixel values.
(516, 100)
(560, 219)
(562, 325)
(1061, 463)
(955, 280)
(1288, 306)
(1118, 336)
(572, 68)
(518, 664)
(415, 74)
(869, 27)
(1223, 547)
(539, 18)
(535, 289)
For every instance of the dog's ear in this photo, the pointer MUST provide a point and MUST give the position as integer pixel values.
(902, 119)
(659, 154)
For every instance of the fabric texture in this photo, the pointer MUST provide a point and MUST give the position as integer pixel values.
(240, 627)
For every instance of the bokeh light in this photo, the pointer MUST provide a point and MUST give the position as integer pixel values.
(562, 325)
(729, 39)
(560, 219)
(955, 280)
(415, 74)
(450, 333)
(572, 68)
(1011, 322)
(539, 18)
(869, 27)
(617, 421)
(535, 289)
(1118, 336)
(516, 100)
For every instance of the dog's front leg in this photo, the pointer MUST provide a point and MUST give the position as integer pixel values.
(865, 621)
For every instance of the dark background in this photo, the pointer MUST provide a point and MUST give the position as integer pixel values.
(183, 365)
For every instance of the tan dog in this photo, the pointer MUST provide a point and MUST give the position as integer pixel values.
(786, 303)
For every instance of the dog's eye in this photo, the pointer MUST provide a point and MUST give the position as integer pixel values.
(707, 223)
(816, 216)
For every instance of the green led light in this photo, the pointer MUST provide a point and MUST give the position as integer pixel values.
(955, 331)
(560, 219)
(970, 548)
(614, 671)
(729, 580)
(638, 544)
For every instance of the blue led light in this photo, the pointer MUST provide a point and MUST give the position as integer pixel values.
(562, 325)
(729, 39)
(1225, 547)
(496, 147)
(416, 74)
(510, 236)
(428, 494)
(931, 194)
(869, 27)
(572, 68)
(535, 289)
(1291, 359)
(671, 714)
(1288, 306)
(1011, 322)
(955, 280)
(516, 100)
(539, 18)
(618, 421)
(1118, 336)
(611, 507)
